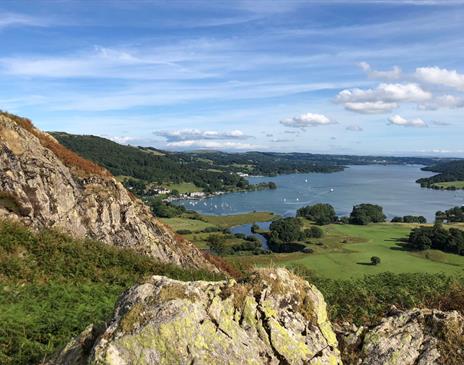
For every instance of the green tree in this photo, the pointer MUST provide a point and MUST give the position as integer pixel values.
(375, 260)
(314, 232)
(319, 213)
(363, 214)
(286, 230)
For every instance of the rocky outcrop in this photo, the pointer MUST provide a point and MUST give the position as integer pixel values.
(415, 337)
(44, 185)
(273, 317)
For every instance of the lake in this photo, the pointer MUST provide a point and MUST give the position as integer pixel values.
(392, 186)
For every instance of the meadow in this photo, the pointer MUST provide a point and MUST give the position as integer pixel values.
(345, 251)
(450, 184)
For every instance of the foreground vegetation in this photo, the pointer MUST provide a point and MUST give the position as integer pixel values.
(367, 299)
(52, 287)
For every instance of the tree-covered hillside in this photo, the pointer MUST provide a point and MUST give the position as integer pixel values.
(447, 171)
(210, 170)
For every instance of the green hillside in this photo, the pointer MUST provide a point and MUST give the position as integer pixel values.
(52, 287)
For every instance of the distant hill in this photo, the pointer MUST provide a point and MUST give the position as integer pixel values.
(448, 171)
(210, 170)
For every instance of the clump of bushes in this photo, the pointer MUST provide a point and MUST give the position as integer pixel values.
(438, 238)
(363, 214)
(319, 213)
(184, 231)
(313, 232)
(409, 219)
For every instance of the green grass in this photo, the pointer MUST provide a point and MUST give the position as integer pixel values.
(52, 287)
(193, 225)
(183, 188)
(227, 221)
(447, 184)
(337, 259)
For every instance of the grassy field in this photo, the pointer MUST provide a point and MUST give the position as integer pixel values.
(183, 187)
(227, 221)
(193, 225)
(345, 251)
(456, 184)
(196, 226)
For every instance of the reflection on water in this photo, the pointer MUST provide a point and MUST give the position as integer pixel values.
(246, 230)
(392, 187)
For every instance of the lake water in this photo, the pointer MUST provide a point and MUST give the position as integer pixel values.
(246, 230)
(393, 187)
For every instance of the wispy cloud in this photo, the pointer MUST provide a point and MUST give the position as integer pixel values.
(196, 134)
(17, 20)
(221, 145)
(393, 74)
(354, 128)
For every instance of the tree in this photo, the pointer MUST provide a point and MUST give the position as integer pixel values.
(314, 232)
(286, 230)
(375, 260)
(319, 213)
(363, 214)
(272, 185)
(397, 220)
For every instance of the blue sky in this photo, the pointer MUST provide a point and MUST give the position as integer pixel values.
(358, 76)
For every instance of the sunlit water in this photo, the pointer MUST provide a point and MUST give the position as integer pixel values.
(393, 187)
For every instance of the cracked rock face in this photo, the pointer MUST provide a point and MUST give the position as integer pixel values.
(37, 188)
(273, 317)
(415, 337)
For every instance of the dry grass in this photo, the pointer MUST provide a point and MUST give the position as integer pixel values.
(72, 160)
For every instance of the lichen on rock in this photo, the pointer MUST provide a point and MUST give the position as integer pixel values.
(205, 323)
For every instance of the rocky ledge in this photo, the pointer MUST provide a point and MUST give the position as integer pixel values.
(272, 317)
(43, 184)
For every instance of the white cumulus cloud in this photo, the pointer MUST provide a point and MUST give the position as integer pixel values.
(393, 74)
(384, 98)
(444, 101)
(307, 120)
(441, 76)
(403, 122)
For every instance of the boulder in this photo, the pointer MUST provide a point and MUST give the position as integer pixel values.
(272, 317)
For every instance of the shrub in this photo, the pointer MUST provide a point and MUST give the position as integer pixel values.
(184, 231)
(375, 260)
(363, 214)
(319, 213)
(211, 229)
